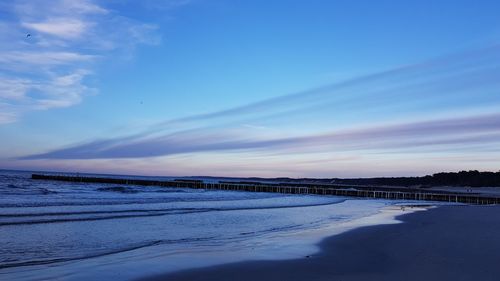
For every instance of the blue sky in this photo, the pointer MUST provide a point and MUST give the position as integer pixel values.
(250, 88)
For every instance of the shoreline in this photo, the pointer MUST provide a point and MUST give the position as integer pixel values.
(273, 246)
(443, 243)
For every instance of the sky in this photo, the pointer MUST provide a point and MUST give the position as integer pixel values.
(250, 88)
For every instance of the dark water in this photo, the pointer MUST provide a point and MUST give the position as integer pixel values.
(54, 229)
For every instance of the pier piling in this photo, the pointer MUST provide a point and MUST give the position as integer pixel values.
(294, 188)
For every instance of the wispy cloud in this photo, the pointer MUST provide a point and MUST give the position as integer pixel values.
(48, 51)
(471, 130)
(60, 27)
(469, 76)
(450, 102)
(26, 59)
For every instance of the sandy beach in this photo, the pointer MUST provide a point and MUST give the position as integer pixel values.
(443, 243)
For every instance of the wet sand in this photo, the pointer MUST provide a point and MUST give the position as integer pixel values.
(444, 243)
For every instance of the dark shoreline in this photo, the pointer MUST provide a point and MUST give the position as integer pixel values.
(444, 243)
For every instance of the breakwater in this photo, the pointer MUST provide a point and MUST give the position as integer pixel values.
(294, 188)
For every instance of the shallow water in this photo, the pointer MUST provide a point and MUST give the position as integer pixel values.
(77, 231)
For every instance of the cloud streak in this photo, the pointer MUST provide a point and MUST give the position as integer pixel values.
(470, 75)
(59, 27)
(472, 130)
(454, 93)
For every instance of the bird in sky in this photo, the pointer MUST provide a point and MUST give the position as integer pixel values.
(28, 35)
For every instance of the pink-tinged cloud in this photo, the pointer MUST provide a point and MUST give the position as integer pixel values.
(311, 121)
(462, 131)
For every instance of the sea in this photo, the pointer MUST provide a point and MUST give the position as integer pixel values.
(52, 230)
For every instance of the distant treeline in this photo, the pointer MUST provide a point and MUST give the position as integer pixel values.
(463, 178)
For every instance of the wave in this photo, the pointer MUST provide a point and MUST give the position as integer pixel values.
(126, 189)
(12, 189)
(101, 254)
(122, 214)
(95, 201)
(273, 229)
(121, 189)
(100, 203)
(15, 215)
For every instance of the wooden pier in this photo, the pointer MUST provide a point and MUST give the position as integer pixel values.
(295, 188)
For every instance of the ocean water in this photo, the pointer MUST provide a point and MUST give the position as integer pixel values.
(81, 231)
